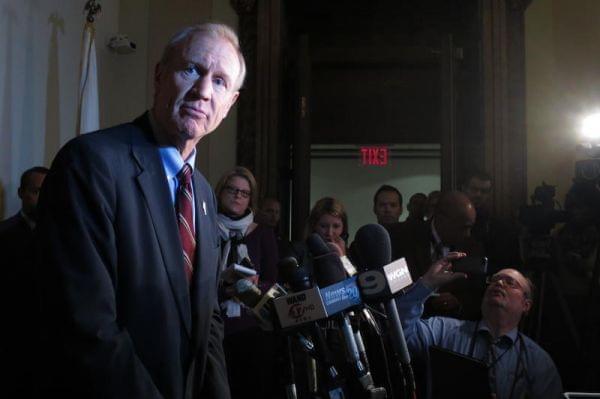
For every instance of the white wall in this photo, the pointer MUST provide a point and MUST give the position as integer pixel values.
(563, 85)
(354, 184)
(39, 49)
(39, 76)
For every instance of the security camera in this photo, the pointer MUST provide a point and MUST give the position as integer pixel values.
(121, 44)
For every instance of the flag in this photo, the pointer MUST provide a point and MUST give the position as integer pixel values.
(88, 110)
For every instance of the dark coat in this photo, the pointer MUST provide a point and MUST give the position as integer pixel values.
(19, 307)
(120, 318)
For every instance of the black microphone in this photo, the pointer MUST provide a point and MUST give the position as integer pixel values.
(262, 307)
(373, 252)
(329, 270)
(297, 279)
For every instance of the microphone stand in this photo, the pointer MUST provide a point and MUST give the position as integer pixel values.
(289, 374)
(400, 347)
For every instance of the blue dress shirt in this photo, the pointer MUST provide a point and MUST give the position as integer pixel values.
(519, 360)
(173, 162)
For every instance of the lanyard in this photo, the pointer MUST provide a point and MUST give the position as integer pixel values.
(520, 362)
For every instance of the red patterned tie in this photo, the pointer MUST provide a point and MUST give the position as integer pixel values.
(184, 207)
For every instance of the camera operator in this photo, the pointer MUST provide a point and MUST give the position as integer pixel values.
(578, 239)
(517, 365)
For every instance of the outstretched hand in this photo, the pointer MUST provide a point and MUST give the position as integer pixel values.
(440, 272)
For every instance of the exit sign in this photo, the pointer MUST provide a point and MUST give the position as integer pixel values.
(374, 156)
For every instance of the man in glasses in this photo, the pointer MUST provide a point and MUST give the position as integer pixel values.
(517, 366)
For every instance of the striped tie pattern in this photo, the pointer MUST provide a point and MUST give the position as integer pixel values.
(184, 203)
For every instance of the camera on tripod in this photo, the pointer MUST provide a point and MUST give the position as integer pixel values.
(539, 219)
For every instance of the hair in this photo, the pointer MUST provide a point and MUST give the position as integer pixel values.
(238, 171)
(387, 187)
(476, 174)
(27, 174)
(530, 289)
(215, 30)
(327, 206)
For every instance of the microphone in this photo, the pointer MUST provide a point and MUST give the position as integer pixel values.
(373, 253)
(329, 271)
(293, 306)
(260, 305)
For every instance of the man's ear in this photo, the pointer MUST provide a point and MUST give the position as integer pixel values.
(158, 70)
(527, 306)
(233, 100)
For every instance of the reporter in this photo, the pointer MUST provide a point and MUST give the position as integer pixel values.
(520, 367)
(248, 350)
(328, 219)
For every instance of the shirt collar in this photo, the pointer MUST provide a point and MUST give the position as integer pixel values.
(434, 234)
(512, 335)
(170, 156)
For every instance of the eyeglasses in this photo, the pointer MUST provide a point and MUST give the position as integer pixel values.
(506, 280)
(235, 191)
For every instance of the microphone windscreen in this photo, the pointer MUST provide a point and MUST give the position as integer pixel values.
(286, 267)
(248, 293)
(327, 265)
(371, 248)
(316, 245)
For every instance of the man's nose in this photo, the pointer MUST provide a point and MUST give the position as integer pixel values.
(203, 87)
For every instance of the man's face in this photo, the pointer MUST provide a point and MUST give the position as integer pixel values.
(271, 212)
(387, 207)
(195, 89)
(30, 192)
(454, 229)
(416, 206)
(508, 289)
(478, 191)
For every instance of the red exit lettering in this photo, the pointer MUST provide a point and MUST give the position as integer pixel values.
(374, 156)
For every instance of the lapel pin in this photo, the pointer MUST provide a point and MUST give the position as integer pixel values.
(204, 207)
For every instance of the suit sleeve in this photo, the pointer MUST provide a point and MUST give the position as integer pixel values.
(92, 355)
(216, 384)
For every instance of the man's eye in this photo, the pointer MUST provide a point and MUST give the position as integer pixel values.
(191, 71)
(219, 81)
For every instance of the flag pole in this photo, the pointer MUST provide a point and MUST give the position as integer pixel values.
(88, 102)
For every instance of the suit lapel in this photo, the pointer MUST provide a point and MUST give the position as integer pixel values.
(153, 184)
(205, 269)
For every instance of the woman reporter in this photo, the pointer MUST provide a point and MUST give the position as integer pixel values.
(248, 350)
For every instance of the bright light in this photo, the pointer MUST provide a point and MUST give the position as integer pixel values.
(590, 127)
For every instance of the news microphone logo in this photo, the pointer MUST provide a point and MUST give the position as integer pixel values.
(341, 296)
(384, 282)
(301, 307)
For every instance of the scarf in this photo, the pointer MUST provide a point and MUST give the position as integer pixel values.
(232, 233)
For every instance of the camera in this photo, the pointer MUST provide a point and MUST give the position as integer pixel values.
(121, 44)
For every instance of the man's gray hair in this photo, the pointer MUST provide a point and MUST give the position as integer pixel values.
(216, 30)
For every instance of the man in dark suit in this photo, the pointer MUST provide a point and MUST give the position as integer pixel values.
(130, 245)
(422, 244)
(18, 300)
(498, 237)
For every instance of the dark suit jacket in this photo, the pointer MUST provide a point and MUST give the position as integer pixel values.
(413, 242)
(121, 321)
(19, 306)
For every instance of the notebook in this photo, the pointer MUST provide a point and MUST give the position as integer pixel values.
(454, 375)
